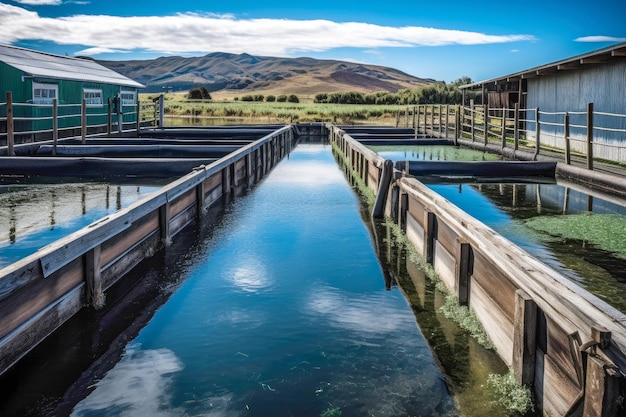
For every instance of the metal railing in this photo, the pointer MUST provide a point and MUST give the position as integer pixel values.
(585, 135)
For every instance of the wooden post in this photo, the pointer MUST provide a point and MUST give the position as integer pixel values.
(516, 128)
(406, 114)
(602, 389)
(465, 266)
(397, 118)
(395, 204)
(249, 169)
(590, 136)
(138, 119)
(226, 184)
(568, 156)
(447, 119)
(55, 125)
(473, 120)
(10, 125)
(164, 223)
(83, 122)
(524, 338)
(440, 110)
(414, 126)
(430, 235)
(404, 208)
(93, 278)
(109, 116)
(457, 124)
(200, 192)
(537, 133)
(503, 132)
(161, 110)
(417, 128)
(486, 122)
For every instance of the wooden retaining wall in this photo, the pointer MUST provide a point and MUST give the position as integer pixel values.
(40, 292)
(364, 163)
(559, 339)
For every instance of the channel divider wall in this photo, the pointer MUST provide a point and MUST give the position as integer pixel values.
(561, 341)
(42, 291)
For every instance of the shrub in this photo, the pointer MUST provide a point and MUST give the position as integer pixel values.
(293, 98)
(199, 93)
(281, 98)
(270, 98)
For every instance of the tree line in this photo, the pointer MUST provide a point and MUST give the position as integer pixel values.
(436, 93)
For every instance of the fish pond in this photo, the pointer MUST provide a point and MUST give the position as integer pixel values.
(581, 235)
(278, 306)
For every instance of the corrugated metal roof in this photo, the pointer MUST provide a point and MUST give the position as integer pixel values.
(40, 64)
(617, 51)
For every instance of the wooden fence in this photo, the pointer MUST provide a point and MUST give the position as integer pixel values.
(42, 291)
(563, 342)
(28, 122)
(585, 134)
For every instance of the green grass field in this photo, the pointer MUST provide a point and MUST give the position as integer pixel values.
(176, 105)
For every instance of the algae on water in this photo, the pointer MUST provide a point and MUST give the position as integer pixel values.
(603, 231)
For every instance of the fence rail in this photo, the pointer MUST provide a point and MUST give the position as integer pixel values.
(31, 122)
(584, 135)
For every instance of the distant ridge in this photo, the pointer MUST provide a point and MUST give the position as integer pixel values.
(247, 73)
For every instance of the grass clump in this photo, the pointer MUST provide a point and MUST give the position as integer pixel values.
(461, 315)
(509, 394)
(466, 319)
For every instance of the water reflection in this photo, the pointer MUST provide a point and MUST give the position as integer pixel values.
(285, 313)
(139, 385)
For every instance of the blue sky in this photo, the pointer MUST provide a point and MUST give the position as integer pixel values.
(442, 40)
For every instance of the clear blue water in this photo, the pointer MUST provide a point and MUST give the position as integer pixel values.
(33, 216)
(284, 314)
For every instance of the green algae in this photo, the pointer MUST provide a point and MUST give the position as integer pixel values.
(603, 231)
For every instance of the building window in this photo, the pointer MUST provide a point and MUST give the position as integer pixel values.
(44, 93)
(128, 98)
(93, 97)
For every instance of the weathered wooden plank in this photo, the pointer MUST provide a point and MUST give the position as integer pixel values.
(495, 282)
(447, 237)
(183, 201)
(93, 278)
(182, 219)
(496, 322)
(444, 264)
(558, 393)
(465, 269)
(30, 300)
(119, 244)
(524, 338)
(415, 233)
(17, 344)
(119, 266)
(18, 275)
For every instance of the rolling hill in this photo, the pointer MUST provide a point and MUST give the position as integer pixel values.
(244, 73)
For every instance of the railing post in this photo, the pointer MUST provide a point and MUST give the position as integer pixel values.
(524, 338)
(83, 122)
(457, 124)
(419, 113)
(537, 133)
(414, 126)
(590, 136)
(503, 128)
(473, 120)
(10, 126)
(55, 125)
(486, 123)
(406, 114)
(138, 119)
(447, 119)
(161, 110)
(568, 157)
(109, 117)
(516, 128)
(440, 112)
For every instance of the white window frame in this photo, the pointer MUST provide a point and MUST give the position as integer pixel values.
(95, 97)
(129, 98)
(45, 93)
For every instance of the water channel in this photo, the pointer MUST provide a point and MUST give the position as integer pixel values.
(580, 235)
(277, 306)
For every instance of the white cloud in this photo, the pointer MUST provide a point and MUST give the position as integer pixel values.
(40, 2)
(599, 38)
(201, 33)
(99, 50)
(514, 50)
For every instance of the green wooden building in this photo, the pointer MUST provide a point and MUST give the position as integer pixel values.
(35, 79)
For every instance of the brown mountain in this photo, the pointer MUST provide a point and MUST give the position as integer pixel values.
(247, 73)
